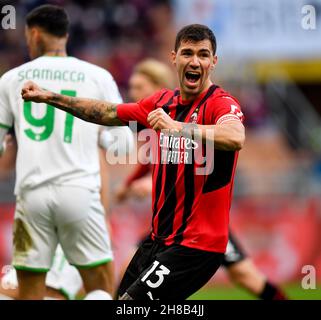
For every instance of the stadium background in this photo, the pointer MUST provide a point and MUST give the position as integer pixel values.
(272, 64)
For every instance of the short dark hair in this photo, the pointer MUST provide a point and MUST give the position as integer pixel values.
(52, 19)
(195, 33)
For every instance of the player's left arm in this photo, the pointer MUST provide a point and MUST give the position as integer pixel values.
(228, 132)
(114, 138)
(104, 191)
(228, 136)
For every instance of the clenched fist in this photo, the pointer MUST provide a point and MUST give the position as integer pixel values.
(32, 92)
(158, 119)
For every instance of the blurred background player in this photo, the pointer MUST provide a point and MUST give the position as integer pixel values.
(63, 280)
(148, 77)
(242, 271)
(58, 181)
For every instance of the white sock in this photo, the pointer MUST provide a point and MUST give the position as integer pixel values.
(4, 297)
(98, 295)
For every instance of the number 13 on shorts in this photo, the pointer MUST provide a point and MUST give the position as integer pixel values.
(156, 270)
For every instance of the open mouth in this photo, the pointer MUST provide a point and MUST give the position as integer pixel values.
(192, 76)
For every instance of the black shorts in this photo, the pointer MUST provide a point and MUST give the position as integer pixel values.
(168, 272)
(234, 252)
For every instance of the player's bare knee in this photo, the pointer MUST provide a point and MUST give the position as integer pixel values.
(31, 285)
(246, 275)
(240, 273)
(238, 276)
(100, 277)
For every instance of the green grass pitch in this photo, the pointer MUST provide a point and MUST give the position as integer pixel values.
(293, 290)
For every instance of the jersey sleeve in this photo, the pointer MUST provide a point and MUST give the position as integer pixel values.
(109, 89)
(120, 139)
(138, 111)
(6, 115)
(225, 108)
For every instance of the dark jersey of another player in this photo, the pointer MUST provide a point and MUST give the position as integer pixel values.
(189, 209)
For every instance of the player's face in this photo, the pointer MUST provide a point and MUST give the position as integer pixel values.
(140, 86)
(194, 62)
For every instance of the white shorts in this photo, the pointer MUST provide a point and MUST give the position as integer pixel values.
(52, 214)
(62, 277)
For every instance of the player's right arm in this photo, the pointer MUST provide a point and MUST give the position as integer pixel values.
(96, 111)
(6, 116)
(3, 133)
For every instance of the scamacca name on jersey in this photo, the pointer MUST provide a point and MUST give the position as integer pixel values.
(173, 148)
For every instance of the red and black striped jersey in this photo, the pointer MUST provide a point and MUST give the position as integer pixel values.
(189, 209)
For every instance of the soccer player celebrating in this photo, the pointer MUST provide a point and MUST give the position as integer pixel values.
(190, 210)
(58, 181)
(148, 77)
